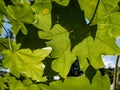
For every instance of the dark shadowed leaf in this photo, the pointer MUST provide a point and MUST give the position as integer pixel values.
(31, 40)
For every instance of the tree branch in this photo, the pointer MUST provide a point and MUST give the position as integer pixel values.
(115, 72)
(94, 13)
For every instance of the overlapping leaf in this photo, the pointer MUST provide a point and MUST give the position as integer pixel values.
(82, 83)
(26, 62)
(61, 44)
(73, 37)
(70, 37)
(92, 49)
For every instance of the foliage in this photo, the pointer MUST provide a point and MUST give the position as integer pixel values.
(110, 73)
(81, 30)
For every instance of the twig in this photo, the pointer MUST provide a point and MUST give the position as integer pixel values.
(94, 13)
(115, 72)
(9, 38)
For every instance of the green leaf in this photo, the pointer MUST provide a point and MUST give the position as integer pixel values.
(61, 52)
(26, 16)
(3, 9)
(3, 44)
(107, 12)
(82, 83)
(72, 37)
(64, 39)
(15, 84)
(3, 80)
(103, 9)
(88, 6)
(100, 82)
(76, 83)
(17, 26)
(27, 81)
(19, 2)
(42, 9)
(114, 17)
(33, 87)
(104, 43)
(38, 87)
(26, 62)
(1, 23)
(17, 19)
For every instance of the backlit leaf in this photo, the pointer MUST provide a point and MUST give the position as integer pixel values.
(61, 52)
(71, 37)
(26, 62)
(20, 14)
(82, 83)
(43, 14)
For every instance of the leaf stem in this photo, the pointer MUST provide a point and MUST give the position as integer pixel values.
(94, 13)
(115, 72)
(9, 38)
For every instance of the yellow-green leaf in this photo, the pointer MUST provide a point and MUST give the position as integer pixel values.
(26, 62)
